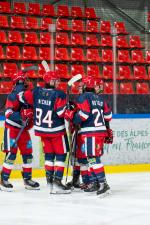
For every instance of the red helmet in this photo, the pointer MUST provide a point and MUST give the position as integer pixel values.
(90, 81)
(18, 76)
(50, 75)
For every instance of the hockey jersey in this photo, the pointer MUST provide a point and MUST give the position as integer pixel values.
(92, 113)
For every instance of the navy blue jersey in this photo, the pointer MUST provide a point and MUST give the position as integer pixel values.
(92, 113)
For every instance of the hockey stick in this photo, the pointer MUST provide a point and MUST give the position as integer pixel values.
(29, 68)
(46, 66)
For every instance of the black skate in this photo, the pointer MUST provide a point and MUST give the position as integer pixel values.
(75, 183)
(103, 190)
(50, 182)
(59, 188)
(92, 187)
(31, 185)
(6, 185)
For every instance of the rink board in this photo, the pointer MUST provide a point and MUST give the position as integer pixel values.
(130, 151)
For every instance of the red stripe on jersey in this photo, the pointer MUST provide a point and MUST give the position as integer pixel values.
(85, 172)
(49, 167)
(5, 170)
(59, 168)
(27, 170)
(99, 170)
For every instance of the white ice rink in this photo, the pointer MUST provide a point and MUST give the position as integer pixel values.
(129, 204)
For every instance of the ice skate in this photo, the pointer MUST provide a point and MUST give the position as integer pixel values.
(75, 183)
(59, 188)
(6, 185)
(50, 182)
(31, 185)
(92, 187)
(103, 190)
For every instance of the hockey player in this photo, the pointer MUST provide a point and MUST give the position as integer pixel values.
(91, 113)
(49, 105)
(18, 116)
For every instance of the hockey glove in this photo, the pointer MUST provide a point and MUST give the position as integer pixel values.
(69, 114)
(27, 117)
(109, 137)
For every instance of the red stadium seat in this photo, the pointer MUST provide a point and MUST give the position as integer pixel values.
(61, 54)
(105, 27)
(15, 37)
(31, 73)
(92, 40)
(93, 70)
(29, 53)
(63, 86)
(20, 8)
(124, 73)
(121, 42)
(48, 10)
(40, 84)
(108, 88)
(90, 13)
(92, 26)
(123, 56)
(77, 54)
(9, 69)
(107, 55)
(77, 26)
(62, 10)
(148, 57)
(106, 41)
(44, 53)
(62, 24)
(13, 52)
(3, 38)
(126, 88)
(1, 52)
(41, 71)
(34, 9)
(77, 69)
(45, 38)
(62, 70)
(3, 22)
(31, 23)
(135, 41)
(62, 38)
(142, 88)
(6, 87)
(17, 22)
(45, 23)
(120, 27)
(76, 11)
(31, 38)
(5, 7)
(137, 56)
(108, 72)
(139, 72)
(149, 72)
(93, 55)
(77, 39)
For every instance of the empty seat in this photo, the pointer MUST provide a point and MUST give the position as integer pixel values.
(77, 54)
(106, 41)
(123, 56)
(108, 72)
(29, 53)
(13, 52)
(31, 38)
(34, 9)
(15, 37)
(77, 69)
(76, 11)
(3, 38)
(93, 70)
(31, 23)
(90, 13)
(17, 22)
(124, 72)
(135, 41)
(6, 87)
(5, 7)
(120, 27)
(77, 26)
(9, 69)
(1, 52)
(3, 22)
(107, 55)
(45, 38)
(62, 38)
(20, 8)
(44, 53)
(62, 24)
(105, 27)
(93, 55)
(108, 87)
(126, 88)
(62, 10)
(61, 54)
(121, 42)
(92, 40)
(62, 86)
(139, 72)
(45, 23)
(148, 57)
(137, 56)
(92, 26)
(48, 10)
(31, 73)
(62, 70)
(77, 39)
(40, 84)
(142, 88)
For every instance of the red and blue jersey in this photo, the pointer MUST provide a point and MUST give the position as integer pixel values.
(92, 113)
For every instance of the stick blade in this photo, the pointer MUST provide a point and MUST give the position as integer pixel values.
(46, 66)
(74, 79)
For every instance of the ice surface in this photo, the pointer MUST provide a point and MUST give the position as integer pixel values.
(129, 204)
